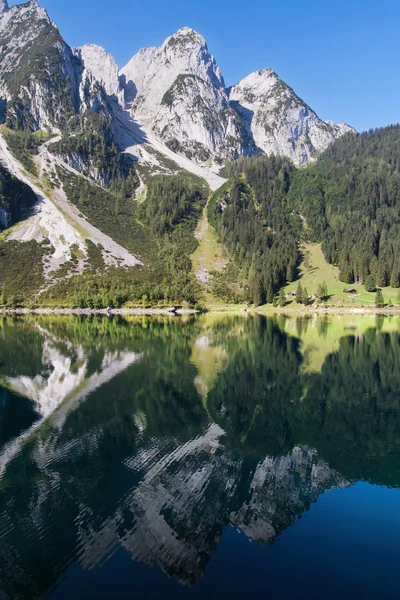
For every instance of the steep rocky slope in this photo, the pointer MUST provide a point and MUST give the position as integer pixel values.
(279, 121)
(37, 70)
(179, 91)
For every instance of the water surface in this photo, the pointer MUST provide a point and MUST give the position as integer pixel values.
(195, 458)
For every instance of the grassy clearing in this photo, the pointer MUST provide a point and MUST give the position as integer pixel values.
(209, 256)
(314, 270)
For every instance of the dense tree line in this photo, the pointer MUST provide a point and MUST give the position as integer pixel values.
(252, 217)
(350, 201)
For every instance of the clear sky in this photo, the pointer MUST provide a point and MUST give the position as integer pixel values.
(341, 56)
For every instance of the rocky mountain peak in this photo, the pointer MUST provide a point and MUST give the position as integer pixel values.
(3, 6)
(154, 70)
(99, 66)
(186, 37)
(279, 121)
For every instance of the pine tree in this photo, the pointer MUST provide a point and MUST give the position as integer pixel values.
(322, 291)
(282, 298)
(379, 301)
(306, 298)
(3, 299)
(395, 277)
(370, 285)
(299, 294)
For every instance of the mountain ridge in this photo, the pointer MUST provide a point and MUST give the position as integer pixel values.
(128, 159)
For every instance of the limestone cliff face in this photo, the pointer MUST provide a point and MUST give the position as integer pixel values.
(37, 69)
(279, 121)
(100, 70)
(178, 91)
(43, 82)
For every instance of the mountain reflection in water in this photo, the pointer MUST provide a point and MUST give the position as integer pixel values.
(151, 436)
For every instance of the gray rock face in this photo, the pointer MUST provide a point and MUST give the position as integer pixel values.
(279, 121)
(176, 92)
(37, 70)
(43, 83)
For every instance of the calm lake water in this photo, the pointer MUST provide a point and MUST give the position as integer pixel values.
(211, 457)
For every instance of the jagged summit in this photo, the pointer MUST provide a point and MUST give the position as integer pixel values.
(279, 120)
(175, 91)
(188, 36)
(178, 91)
(154, 70)
(99, 66)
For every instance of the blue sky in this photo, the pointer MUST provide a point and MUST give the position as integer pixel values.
(341, 56)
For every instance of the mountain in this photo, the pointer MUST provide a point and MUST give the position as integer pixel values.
(106, 175)
(177, 90)
(38, 72)
(279, 121)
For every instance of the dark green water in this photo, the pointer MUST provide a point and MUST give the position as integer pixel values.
(206, 458)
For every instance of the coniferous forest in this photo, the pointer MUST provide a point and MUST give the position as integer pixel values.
(348, 200)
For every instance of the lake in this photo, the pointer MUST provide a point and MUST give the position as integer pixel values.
(199, 457)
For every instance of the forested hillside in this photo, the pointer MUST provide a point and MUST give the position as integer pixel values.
(349, 200)
(252, 218)
(159, 231)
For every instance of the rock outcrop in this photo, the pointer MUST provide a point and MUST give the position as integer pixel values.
(279, 121)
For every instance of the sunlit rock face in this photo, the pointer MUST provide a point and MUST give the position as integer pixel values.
(175, 91)
(178, 90)
(37, 69)
(279, 121)
(99, 67)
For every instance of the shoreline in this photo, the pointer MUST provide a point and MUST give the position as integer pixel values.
(171, 311)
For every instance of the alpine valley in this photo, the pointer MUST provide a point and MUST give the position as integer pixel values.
(157, 185)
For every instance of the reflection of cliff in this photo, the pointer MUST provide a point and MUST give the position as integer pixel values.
(186, 497)
(64, 380)
(282, 488)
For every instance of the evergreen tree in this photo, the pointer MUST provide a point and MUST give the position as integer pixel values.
(370, 285)
(282, 298)
(299, 294)
(379, 301)
(322, 291)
